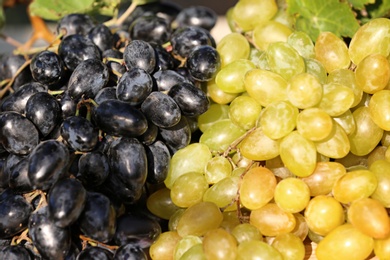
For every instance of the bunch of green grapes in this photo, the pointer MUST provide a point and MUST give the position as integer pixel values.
(295, 146)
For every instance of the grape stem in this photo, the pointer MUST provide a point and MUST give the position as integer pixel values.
(118, 21)
(233, 146)
(93, 242)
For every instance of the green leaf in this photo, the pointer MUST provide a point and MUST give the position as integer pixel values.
(318, 16)
(2, 14)
(379, 9)
(360, 4)
(144, 2)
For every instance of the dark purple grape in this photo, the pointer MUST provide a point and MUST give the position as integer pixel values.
(18, 134)
(140, 54)
(178, 136)
(150, 28)
(87, 79)
(201, 16)
(98, 219)
(96, 253)
(161, 109)
(79, 133)
(68, 105)
(158, 162)
(114, 66)
(44, 111)
(47, 67)
(9, 66)
(15, 252)
(134, 86)
(93, 168)
(102, 37)
(185, 39)
(4, 172)
(150, 135)
(51, 241)
(119, 118)
(203, 63)
(73, 252)
(74, 24)
(166, 79)
(104, 94)
(164, 60)
(18, 179)
(130, 252)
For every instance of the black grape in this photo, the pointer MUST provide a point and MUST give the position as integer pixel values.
(183, 40)
(150, 135)
(201, 16)
(130, 252)
(178, 136)
(166, 79)
(164, 60)
(9, 65)
(18, 179)
(4, 173)
(203, 63)
(93, 168)
(68, 105)
(104, 94)
(158, 162)
(15, 252)
(113, 66)
(95, 252)
(140, 54)
(47, 67)
(102, 37)
(74, 24)
(150, 28)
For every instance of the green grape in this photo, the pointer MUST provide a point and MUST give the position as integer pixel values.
(192, 158)
(223, 193)
(268, 32)
(304, 90)
(302, 42)
(284, 60)
(381, 170)
(278, 119)
(315, 68)
(298, 154)
(373, 73)
(365, 127)
(314, 238)
(379, 153)
(246, 232)
(336, 145)
(231, 77)
(218, 95)
(314, 124)
(321, 181)
(164, 247)
(371, 37)
(244, 112)
(215, 113)
(259, 147)
(336, 99)
(188, 189)
(231, 47)
(194, 253)
(345, 242)
(265, 86)
(174, 219)
(230, 220)
(379, 108)
(385, 141)
(160, 204)
(220, 135)
(219, 244)
(259, 58)
(217, 168)
(346, 121)
(323, 214)
(370, 217)
(272, 220)
(290, 246)
(301, 228)
(247, 14)
(257, 188)
(185, 244)
(355, 185)
(346, 77)
(292, 195)
(198, 219)
(382, 248)
(351, 160)
(331, 51)
(258, 250)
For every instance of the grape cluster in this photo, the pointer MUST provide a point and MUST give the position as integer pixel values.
(88, 126)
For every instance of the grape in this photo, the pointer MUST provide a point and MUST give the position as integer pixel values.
(246, 232)
(373, 73)
(95, 252)
(347, 78)
(304, 90)
(17, 252)
(185, 39)
(244, 111)
(380, 170)
(301, 42)
(215, 113)
(93, 168)
(158, 157)
(164, 246)
(185, 244)
(140, 54)
(191, 181)
(315, 68)
(346, 121)
(292, 195)
(233, 46)
(257, 250)
(231, 77)
(290, 246)
(379, 108)
(101, 36)
(381, 247)
(217, 169)
(10, 64)
(336, 99)
(75, 24)
(203, 63)
(160, 204)
(177, 136)
(218, 95)
(269, 32)
(150, 28)
(129, 252)
(223, 193)
(219, 244)
(165, 79)
(314, 124)
(47, 68)
(195, 252)
(301, 228)
(201, 16)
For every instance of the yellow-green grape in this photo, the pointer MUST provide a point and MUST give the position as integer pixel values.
(347, 78)
(302, 42)
(260, 250)
(192, 158)
(160, 204)
(367, 134)
(373, 73)
(220, 135)
(381, 170)
(259, 58)
(268, 32)
(382, 248)
(247, 14)
(223, 193)
(164, 247)
(370, 217)
(230, 220)
(371, 37)
(385, 141)
(301, 228)
(194, 253)
(351, 160)
(336, 99)
(315, 68)
(257, 188)
(379, 108)
(323, 214)
(331, 51)
(272, 220)
(321, 181)
(217, 168)
(231, 77)
(185, 244)
(290, 246)
(292, 195)
(314, 124)
(233, 46)
(304, 90)
(174, 219)
(188, 189)
(218, 95)
(346, 121)
(259, 147)
(215, 113)
(314, 237)
(219, 244)
(355, 185)
(199, 218)
(336, 145)
(278, 119)
(345, 242)
(246, 232)
(265, 86)
(298, 154)
(244, 112)
(284, 60)
(379, 153)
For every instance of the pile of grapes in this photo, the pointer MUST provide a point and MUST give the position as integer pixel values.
(150, 140)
